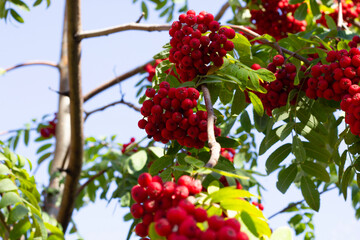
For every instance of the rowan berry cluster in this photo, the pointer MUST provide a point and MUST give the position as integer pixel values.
(278, 90)
(126, 145)
(49, 130)
(228, 153)
(169, 115)
(332, 81)
(351, 105)
(192, 49)
(175, 216)
(350, 11)
(276, 18)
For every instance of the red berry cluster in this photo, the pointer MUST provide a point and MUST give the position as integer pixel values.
(332, 81)
(192, 50)
(49, 130)
(228, 153)
(150, 69)
(168, 115)
(174, 215)
(276, 18)
(351, 105)
(126, 145)
(278, 90)
(350, 11)
(259, 205)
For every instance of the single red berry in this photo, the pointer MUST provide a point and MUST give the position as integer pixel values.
(188, 228)
(226, 233)
(141, 229)
(144, 179)
(214, 26)
(139, 194)
(233, 223)
(137, 211)
(150, 92)
(242, 236)
(278, 60)
(181, 192)
(353, 89)
(216, 222)
(200, 214)
(142, 123)
(176, 215)
(163, 227)
(154, 189)
(186, 104)
(228, 45)
(345, 61)
(255, 66)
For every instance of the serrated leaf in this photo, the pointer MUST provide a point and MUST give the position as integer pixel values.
(9, 198)
(310, 193)
(315, 9)
(298, 149)
(160, 164)
(286, 177)
(277, 157)
(346, 180)
(265, 75)
(137, 161)
(16, 16)
(227, 142)
(316, 170)
(257, 104)
(301, 12)
(7, 185)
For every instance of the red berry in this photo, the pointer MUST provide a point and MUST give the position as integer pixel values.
(176, 215)
(278, 60)
(154, 189)
(137, 211)
(213, 26)
(228, 45)
(216, 222)
(139, 194)
(163, 227)
(141, 229)
(150, 92)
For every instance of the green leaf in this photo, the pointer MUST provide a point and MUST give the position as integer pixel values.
(7, 185)
(301, 12)
(194, 162)
(319, 153)
(227, 142)
(37, 2)
(20, 229)
(4, 170)
(256, 226)
(346, 180)
(16, 16)
(21, 5)
(298, 149)
(277, 157)
(282, 233)
(315, 9)
(227, 174)
(225, 95)
(55, 231)
(214, 186)
(265, 75)
(239, 103)
(137, 161)
(241, 44)
(157, 151)
(316, 170)
(18, 213)
(40, 227)
(44, 157)
(9, 198)
(145, 10)
(163, 54)
(245, 121)
(330, 22)
(43, 147)
(257, 104)
(286, 177)
(310, 193)
(160, 164)
(269, 140)
(229, 193)
(285, 130)
(153, 234)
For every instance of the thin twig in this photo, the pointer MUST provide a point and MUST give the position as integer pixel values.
(33, 63)
(213, 144)
(123, 27)
(271, 44)
(340, 22)
(114, 81)
(87, 114)
(140, 18)
(296, 203)
(15, 130)
(81, 188)
(222, 11)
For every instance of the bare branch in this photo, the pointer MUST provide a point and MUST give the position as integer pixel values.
(33, 63)
(87, 114)
(296, 203)
(213, 144)
(222, 11)
(271, 44)
(115, 81)
(140, 18)
(81, 188)
(76, 115)
(121, 28)
(340, 22)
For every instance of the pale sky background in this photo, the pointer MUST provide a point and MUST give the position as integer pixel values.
(25, 95)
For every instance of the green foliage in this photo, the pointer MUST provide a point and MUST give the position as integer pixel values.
(6, 7)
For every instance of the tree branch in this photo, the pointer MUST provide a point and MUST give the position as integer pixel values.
(296, 203)
(121, 28)
(87, 114)
(76, 114)
(140, 18)
(115, 81)
(340, 22)
(81, 188)
(271, 44)
(213, 144)
(222, 11)
(33, 63)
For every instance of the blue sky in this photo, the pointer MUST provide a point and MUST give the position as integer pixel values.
(25, 95)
